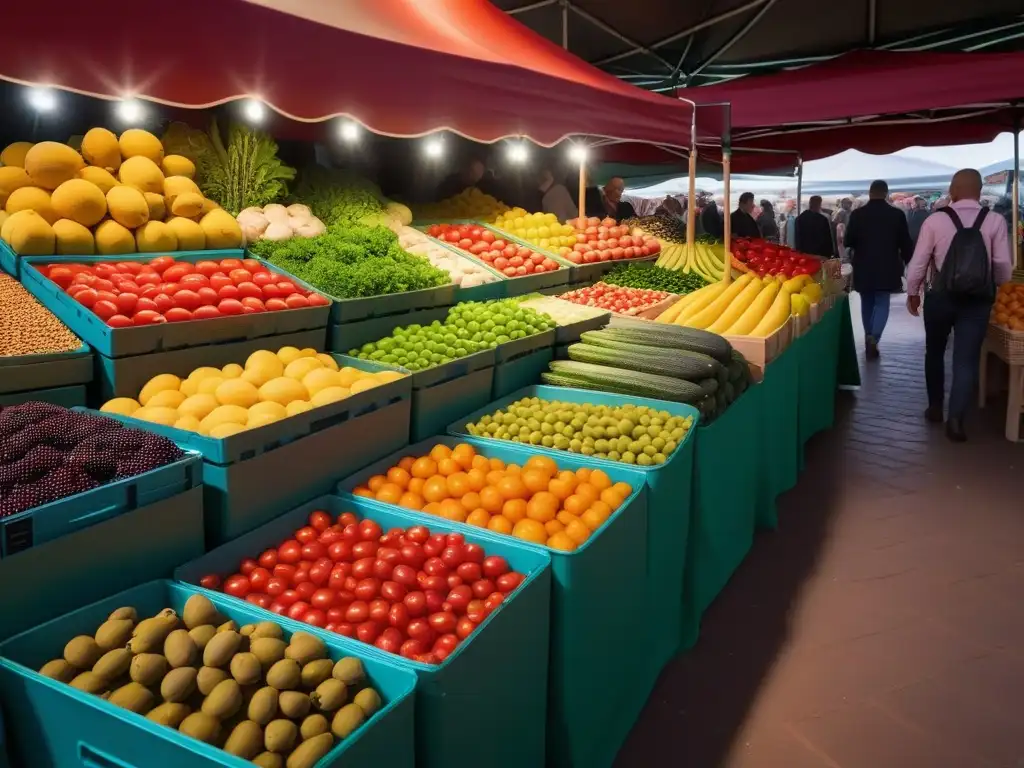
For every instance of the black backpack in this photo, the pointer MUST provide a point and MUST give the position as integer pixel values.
(967, 271)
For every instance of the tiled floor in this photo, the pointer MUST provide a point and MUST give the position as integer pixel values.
(882, 625)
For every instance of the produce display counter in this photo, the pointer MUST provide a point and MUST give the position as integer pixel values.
(779, 463)
(819, 350)
(504, 660)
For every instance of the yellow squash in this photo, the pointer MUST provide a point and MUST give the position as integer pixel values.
(776, 316)
(735, 310)
(707, 294)
(713, 311)
(756, 311)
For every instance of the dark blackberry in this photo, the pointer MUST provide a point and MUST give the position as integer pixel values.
(16, 417)
(101, 467)
(20, 498)
(66, 481)
(17, 445)
(156, 452)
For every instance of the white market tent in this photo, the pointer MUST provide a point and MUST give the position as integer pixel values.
(848, 173)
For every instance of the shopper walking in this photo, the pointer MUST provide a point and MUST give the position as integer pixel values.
(711, 220)
(962, 256)
(742, 219)
(766, 222)
(840, 221)
(814, 231)
(916, 217)
(880, 241)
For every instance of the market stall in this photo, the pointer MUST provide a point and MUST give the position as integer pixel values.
(353, 472)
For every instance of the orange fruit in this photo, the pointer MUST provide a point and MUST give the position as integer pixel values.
(477, 479)
(458, 484)
(513, 469)
(423, 467)
(543, 506)
(411, 500)
(440, 451)
(512, 487)
(389, 493)
(494, 477)
(624, 489)
(587, 492)
(448, 467)
(544, 463)
(562, 542)
(481, 462)
(432, 508)
(535, 479)
(470, 501)
(514, 510)
(562, 488)
(375, 482)
(530, 530)
(464, 455)
(406, 463)
(497, 464)
(593, 518)
(553, 527)
(416, 485)
(583, 474)
(612, 498)
(565, 517)
(399, 477)
(479, 517)
(577, 531)
(491, 500)
(600, 480)
(362, 490)
(577, 505)
(450, 509)
(435, 489)
(500, 524)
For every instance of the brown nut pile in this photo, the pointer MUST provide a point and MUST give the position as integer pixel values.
(279, 702)
(27, 327)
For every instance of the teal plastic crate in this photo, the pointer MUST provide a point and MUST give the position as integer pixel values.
(120, 342)
(9, 261)
(254, 475)
(504, 661)
(143, 543)
(669, 488)
(39, 525)
(126, 376)
(522, 371)
(723, 507)
(596, 602)
(69, 397)
(46, 371)
(53, 724)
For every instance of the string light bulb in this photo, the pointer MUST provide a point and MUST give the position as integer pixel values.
(254, 111)
(42, 99)
(130, 111)
(434, 148)
(349, 131)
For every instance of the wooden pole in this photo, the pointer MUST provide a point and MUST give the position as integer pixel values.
(583, 193)
(691, 207)
(1018, 261)
(726, 181)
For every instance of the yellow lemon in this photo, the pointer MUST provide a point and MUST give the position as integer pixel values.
(224, 414)
(123, 406)
(209, 385)
(198, 406)
(265, 359)
(260, 419)
(288, 354)
(158, 384)
(297, 369)
(226, 429)
(231, 371)
(268, 407)
(190, 423)
(329, 395)
(308, 352)
(298, 406)
(204, 373)
(327, 360)
(348, 374)
(321, 378)
(388, 376)
(361, 385)
(168, 398)
(283, 390)
(236, 392)
(189, 387)
(157, 415)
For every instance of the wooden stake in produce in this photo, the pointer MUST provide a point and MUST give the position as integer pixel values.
(727, 237)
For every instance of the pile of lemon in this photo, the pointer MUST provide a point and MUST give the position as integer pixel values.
(219, 402)
(540, 229)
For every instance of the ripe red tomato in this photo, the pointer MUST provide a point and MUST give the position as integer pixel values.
(357, 612)
(237, 586)
(495, 566)
(296, 301)
(459, 598)
(369, 530)
(148, 317)
(508, 582)
(104, 309)
(322, 599)
(210, 581)
(416, 604)
(229, 291)
(289, 552)
(367, 631)
(226, 265)
(297, 610)
(419, 629)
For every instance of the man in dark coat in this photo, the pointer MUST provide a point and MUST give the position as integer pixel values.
(711, 220)
(880, 241)
(814, 231)
(766, 222)
(606, 202)
(742, 220)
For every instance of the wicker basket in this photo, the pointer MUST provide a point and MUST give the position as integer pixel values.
(832, 269)
(1006, 344)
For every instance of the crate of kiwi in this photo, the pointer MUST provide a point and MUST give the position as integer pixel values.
(162, 675)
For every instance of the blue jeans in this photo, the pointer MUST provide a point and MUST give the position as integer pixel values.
(968, 321)
(874, 312)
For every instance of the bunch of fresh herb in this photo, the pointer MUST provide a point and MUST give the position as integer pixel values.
(337, 197)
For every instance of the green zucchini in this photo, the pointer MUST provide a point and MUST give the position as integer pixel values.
(608, 379)
(671, 336)
(681, 366)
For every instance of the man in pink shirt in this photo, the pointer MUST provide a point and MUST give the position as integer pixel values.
(966, 317)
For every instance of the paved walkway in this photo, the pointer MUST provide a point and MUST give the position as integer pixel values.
(882, 626)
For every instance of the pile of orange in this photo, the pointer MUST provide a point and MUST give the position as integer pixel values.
(1009, 308)
(535, 502)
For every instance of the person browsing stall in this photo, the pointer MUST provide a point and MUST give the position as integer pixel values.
(962, 256)
(742, 219)
(607, 202)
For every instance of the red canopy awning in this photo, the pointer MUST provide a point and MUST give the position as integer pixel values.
(400, 67)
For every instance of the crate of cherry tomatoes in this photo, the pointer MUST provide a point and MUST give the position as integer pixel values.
(465, 610)
(591, 518)
(136, 305)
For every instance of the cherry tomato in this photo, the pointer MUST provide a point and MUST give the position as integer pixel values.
(210, 581)
(419, 629)
(177, 315)
(483, 588)
(163, 302)
(226, 265)
(476, 611)
(119, 321)
(404, 575)
(315, 618)
(290, 552)
(382, 569)
(364, 549)
(240, 275)
(464, 628)
(493, 601)
(432, 583)
(282, 570)
(369, 530)
(206, 312)
(411, 649)
(252, 305)
(413, 555)
(253, 265)
(288, 598)
(276, 586)
(297, 610)
(453, 580)
(398, 616)
(459, 598)
(230, 306)
(507, 582)
(86, 297)
(316, 300)
(237, 586)
(393, 591)
(148, 317)
(453, 555)
(306, 534)
(313, 550)
(322, 599)
(320, 573)
(469, 571)
(379, 610)
(390, 640)
(105, 309)
(434, 546)
(416, 604)
(363, 568)
(367, 631)
(306, 589)
(417, 534)
(347, 629)
(367, 589)
(295, 301)
(357, 612)
(495, 566)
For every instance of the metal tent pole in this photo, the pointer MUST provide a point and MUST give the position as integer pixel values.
(727, 234)
(1017, 255)
(799, 181)
(691, 202)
